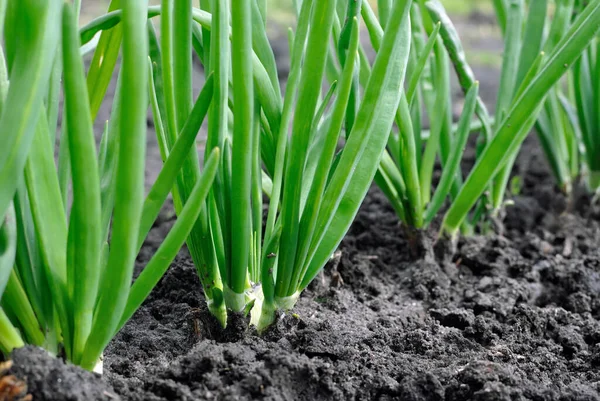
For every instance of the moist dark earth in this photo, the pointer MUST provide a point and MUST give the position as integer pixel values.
(513, 317)
(507, 317)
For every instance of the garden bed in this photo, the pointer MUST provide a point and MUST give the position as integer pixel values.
(505, 318)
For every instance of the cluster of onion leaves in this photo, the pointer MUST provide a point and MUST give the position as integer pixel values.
(406, 171)
(522, 100)
(568, 124)
(71, 230)
(281, 145)
(527, 78)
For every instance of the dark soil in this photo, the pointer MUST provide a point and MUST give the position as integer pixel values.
(46, 378)
(507, 318)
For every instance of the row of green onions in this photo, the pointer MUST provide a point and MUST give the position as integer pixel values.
(72, 229)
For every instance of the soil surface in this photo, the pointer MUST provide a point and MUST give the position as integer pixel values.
(514, 317)
(506, 318)
(511, 317)
(34, 372)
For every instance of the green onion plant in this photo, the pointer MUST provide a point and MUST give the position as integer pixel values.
(282, 145)
(406, 171)
(70, 233)
(580, 105)
(314, 192)
(567, 125)
(526, 98)
(529, 72)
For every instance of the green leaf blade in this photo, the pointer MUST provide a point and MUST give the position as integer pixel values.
(29, 60)
(85, 221)
(129, 184)
(243, 131)
(313, 72)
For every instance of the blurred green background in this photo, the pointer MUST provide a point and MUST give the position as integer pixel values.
(474, 20)
(281, 9)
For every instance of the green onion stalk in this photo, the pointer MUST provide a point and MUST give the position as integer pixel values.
(406, 171)
(318, 189)
(65, 284)
(573, 118)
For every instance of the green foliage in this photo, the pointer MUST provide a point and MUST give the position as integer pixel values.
(313, 199)
(65, 283)
(406, 172)
(566, 126)
(580, 122)
(527, 78)
(514, 125)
